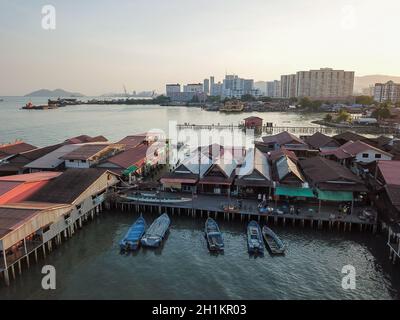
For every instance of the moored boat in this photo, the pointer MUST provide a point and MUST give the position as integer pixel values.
(156, 232)
(274, 243)
(132, 238)
(154, 198)
(255, 242)
(213, 235)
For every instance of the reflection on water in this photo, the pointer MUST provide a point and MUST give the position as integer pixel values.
(90, 266)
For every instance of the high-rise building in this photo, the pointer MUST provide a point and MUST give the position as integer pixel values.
(325, 83)
(261, 86)
(172, 88)
(193, 87)
(236, 87)
(288, 86)
(388, 91)
(212, 81)
(206, 86)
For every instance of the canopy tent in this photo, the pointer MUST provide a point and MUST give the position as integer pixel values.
(335, 195)
(294, 192)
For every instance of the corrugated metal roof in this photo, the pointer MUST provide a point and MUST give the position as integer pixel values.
(390, 171)
(32, 177)
(67, 187)
(85, 152)
(54, 158)
(285, 166)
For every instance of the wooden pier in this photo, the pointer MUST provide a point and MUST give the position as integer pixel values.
(301, 130)
(11, 266)
(317, 220)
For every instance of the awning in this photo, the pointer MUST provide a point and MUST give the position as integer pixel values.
(130, 170)
(335, 195)
(294, 192)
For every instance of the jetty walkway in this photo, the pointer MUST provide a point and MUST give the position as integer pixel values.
(218, 206)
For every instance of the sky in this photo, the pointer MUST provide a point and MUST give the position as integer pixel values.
(98, 46)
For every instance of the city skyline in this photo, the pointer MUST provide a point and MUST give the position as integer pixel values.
(97, 48)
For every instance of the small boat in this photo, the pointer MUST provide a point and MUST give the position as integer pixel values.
(255, 241)
(213, 235)
(30, 106)
(132, 238)
(156, 232)
(154, 198)
(275, 245)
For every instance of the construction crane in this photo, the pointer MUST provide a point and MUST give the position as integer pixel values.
(126, 93)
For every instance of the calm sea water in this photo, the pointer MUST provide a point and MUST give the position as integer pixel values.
(90, 266)
(112, 121)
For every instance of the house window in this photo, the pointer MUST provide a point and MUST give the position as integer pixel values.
(67, 216)
(378, 156)
(365, 155)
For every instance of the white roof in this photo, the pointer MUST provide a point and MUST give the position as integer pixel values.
(52, 159)
(227, 163)
(192, 163)
(255, 160)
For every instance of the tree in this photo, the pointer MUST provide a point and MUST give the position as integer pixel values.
(382, 111)
(365, 100)
(328, 118)
(248, 97)
(343, 116)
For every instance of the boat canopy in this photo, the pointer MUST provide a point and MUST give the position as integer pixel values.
(294, 192)
(335, 195)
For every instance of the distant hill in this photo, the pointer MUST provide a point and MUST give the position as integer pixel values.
(366, 81)
(54, 93)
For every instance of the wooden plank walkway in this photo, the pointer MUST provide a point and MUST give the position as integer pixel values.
(306, 130)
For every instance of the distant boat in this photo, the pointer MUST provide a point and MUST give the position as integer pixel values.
(255, 241)
(131, 240)
(156, 232)
(30, 106)
(213, 235)
(275, 245)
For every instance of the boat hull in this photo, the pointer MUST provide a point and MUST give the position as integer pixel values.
(274, 243)
(255, 242)
(213, 235)
(155, 234)
(131, 241)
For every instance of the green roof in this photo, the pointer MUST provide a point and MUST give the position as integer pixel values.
(130, 170)
(335, 195)
(294, 192)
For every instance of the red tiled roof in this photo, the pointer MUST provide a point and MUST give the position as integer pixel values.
(15, 148)
(85, 139)
(277, 154)
(319, 140)
(132, 141)
(283, 138)
(351, 149)
(390, 171)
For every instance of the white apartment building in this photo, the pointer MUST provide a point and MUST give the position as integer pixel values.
(172, 88)
(324, 83)
(388, 91)
(193, 88)
(288, 86)
(206, 86)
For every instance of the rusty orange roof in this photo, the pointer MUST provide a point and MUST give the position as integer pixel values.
(31, 177)
(390, 171)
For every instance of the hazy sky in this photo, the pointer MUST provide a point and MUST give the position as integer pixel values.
(100, 45)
